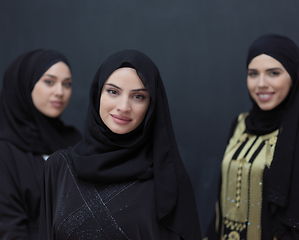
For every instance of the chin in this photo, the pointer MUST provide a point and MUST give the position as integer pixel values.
(120, 132)
(53, 115)
(266, 108)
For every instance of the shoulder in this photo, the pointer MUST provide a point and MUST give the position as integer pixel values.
(242, 116)
(9, 151)
(57, 163)
(7, 146)
(237, 122)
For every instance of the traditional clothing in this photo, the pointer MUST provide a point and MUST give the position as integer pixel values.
(260, 169)
(26, 138)
(129, 186)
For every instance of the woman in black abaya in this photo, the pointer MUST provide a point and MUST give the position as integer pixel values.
(125, 179)
(260, 171)
(36, 89)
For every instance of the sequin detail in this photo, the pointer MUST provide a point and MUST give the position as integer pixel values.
(95, 207)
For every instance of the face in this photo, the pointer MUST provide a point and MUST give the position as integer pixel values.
(124, 101)
(53, 90)
(268, 82)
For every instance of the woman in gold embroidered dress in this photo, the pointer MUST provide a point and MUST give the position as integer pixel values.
(260, 170)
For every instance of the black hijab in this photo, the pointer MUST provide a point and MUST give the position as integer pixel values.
(146, 152)
(21, 123)
(282, 178)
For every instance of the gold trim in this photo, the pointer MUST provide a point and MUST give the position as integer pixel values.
(242, 181)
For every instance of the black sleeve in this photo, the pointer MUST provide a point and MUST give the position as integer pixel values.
(283, 231)
(13, 215)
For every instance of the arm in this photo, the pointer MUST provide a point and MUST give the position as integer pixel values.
(13, 215)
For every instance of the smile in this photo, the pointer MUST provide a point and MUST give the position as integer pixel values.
(121, 119)
(57, 104)
(264, 96)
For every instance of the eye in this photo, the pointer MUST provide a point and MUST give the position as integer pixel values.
(139, 96)
(112, 91)
(49, 82)
(274, 73)
(67, 84)
(252, 74)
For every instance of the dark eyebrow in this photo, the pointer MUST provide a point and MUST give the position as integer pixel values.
(49, 75)
(269, 69)
(113, 86)
(134, 90)
(52, 76)
(272, 69)
(140, 89)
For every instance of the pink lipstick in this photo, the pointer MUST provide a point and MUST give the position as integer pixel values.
(121, 119)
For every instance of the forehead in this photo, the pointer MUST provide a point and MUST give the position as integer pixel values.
(125, 77)
(264, 61)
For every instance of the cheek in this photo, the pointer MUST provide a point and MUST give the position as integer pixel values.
(38, 95)
(104, 107)
(142, 110)
(251, 88)
(68, 94)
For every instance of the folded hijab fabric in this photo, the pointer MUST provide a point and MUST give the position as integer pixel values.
(21, 123)
(282, 178)
(150, 151)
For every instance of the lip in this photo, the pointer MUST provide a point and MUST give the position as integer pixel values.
(265, 96)
(121, 119)
(57, 104)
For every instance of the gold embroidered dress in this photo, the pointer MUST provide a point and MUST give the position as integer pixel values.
(241, 199)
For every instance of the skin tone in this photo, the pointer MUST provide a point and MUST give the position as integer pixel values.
(53, 90)
(268, 82)
(124, 101)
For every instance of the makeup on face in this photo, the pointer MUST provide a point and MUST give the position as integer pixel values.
(53, 90)
(124, 101)
(268, 82)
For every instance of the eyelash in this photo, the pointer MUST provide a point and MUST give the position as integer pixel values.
(111, 91)
(251, 74)
(48, 82)
(135, 96)
(274, 73)
(139, 96)
(65, 84)
(254, 74)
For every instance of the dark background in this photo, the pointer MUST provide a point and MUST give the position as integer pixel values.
(199, 46)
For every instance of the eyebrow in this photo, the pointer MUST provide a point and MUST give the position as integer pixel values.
(134, 90)
(52, 76)
(269, 69)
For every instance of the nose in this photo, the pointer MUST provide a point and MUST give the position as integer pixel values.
(124, 104)
(262, 81)
(58, 90)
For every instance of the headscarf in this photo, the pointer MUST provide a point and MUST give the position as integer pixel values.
(148, 151)
(282, 178)
(20, 122)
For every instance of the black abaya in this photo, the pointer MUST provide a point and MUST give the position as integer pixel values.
(25, 136)
(161, 200)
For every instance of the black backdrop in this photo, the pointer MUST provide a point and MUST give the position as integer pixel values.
(199, 46)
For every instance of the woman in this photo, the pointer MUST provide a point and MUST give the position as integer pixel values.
(125, 179)
(259, 190)
(36, 89)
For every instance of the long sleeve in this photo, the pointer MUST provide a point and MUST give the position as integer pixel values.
(13, 216)
(20, 175)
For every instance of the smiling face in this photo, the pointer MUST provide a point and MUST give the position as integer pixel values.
(268, 82)
(124, 101)
(53, 90)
